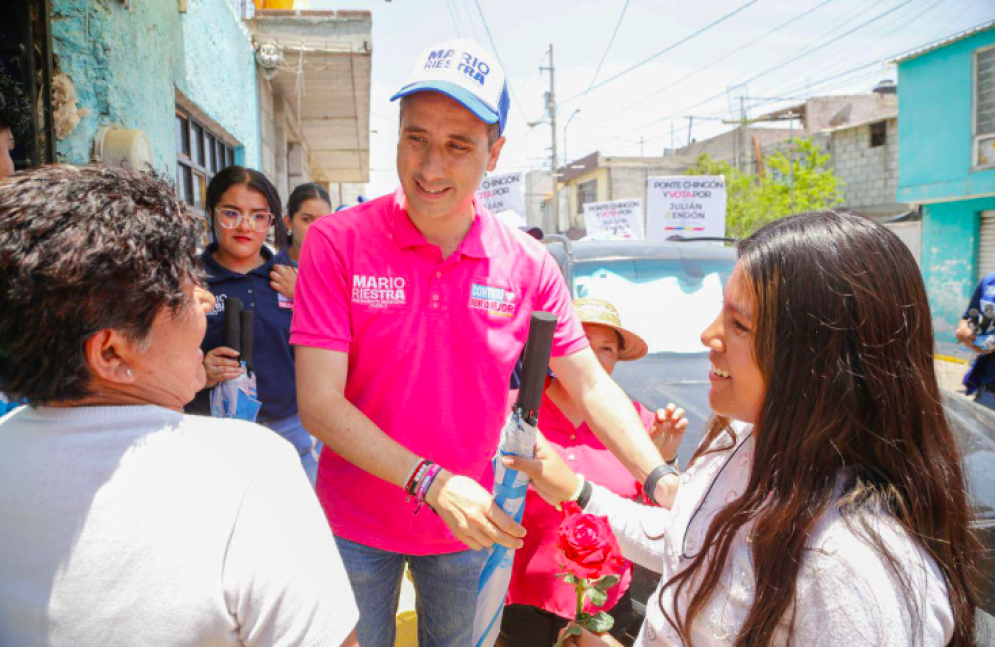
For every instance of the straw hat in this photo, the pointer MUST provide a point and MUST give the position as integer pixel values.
(602, 313)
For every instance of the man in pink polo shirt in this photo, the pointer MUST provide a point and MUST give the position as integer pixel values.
(411, 311)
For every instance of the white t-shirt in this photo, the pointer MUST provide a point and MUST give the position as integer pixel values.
(143, 526)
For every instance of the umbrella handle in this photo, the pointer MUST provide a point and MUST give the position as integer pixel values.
(535, 364)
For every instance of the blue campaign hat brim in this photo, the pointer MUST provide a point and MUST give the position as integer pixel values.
(466, 98)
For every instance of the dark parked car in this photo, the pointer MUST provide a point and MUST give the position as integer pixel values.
(668, 292)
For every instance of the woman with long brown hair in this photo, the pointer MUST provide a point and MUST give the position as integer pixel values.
(826, 503)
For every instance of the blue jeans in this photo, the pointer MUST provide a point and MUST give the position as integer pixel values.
(445, 589)
(308, 447)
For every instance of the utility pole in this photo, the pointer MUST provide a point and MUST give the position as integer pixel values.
(742, 133)
(551, 111)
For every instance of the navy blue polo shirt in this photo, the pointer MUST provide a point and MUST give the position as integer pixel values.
(272, 355)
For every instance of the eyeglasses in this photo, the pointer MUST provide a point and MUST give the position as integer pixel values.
(232, 218)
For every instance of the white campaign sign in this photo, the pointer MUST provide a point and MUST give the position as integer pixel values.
(615, 219)
(685, 205)
(503, 193)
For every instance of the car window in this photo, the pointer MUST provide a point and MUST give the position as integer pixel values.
(667, 302)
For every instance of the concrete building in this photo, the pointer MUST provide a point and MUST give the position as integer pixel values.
(598, 178)
(738, 147)
(152, 67)
(860, 132)
(184, 88)
(946, 127)
(314, 96)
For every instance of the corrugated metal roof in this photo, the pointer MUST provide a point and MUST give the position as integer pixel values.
(915, 53)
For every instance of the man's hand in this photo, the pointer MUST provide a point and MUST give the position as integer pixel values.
(283, 279)
(552, 478)
(668, 431)
(471, 514)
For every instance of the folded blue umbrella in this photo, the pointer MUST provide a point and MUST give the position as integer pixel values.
(237, 398)
(518, 438)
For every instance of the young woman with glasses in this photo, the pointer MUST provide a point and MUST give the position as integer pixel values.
(242, 206)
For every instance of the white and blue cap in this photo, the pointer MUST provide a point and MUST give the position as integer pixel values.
(465, 71)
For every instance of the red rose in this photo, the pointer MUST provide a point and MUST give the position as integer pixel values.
(588, 544)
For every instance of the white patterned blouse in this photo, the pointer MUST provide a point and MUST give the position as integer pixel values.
(846, 594)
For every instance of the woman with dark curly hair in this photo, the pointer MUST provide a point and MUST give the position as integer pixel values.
(826, 504)
(122, 520)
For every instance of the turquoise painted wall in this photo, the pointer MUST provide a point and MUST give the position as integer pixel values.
(949, 259)
(127, 63)
(935, 100)
(935, 104)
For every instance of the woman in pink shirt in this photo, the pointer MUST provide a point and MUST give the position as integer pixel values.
(539, 603)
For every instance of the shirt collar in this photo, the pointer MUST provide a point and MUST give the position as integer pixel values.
(474, 244)
(217, 272)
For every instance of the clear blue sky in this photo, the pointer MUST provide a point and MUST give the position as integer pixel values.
(829, 47)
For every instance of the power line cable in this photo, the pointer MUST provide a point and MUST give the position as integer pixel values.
(718, 60)
(497, 54)
(769, 70)
(880, 36)
(663, 51)
(452, 16)
(611, 41)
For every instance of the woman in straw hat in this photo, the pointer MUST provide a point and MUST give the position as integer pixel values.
(539, 604)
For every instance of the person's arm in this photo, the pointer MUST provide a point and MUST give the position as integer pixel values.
(467, 508)
(964, 334)
(610, 415)
(555, 482)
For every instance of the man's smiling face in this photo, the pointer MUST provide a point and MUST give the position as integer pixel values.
(442, 155)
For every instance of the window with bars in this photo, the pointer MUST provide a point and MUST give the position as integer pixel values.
(586, 192)
(984, 107)
(199, 155)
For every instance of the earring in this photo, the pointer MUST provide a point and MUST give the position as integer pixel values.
(127, 372)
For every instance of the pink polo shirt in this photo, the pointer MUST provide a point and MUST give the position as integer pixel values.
(432, 343)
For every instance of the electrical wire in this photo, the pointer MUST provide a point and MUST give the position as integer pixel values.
(663, 51)
(769, 70)
(611, 41)
(717, 60)
(497, 54)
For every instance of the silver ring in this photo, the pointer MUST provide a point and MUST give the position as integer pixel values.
(217, 369)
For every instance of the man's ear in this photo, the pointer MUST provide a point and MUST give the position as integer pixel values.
(494, 153)
(107, 354)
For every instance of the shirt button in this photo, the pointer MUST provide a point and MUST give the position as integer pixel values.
(252, 305)
(572, 457)
(438, 275)
(250, 291)
(573, 436)
(435, 297)
(435, 305)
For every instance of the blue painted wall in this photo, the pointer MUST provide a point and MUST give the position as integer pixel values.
(936, 100)
(127, 64)
(949, 259)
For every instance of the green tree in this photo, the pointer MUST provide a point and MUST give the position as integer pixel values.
(752, 200)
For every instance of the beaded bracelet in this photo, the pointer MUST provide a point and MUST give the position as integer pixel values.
(411, 473)
(425, 485)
